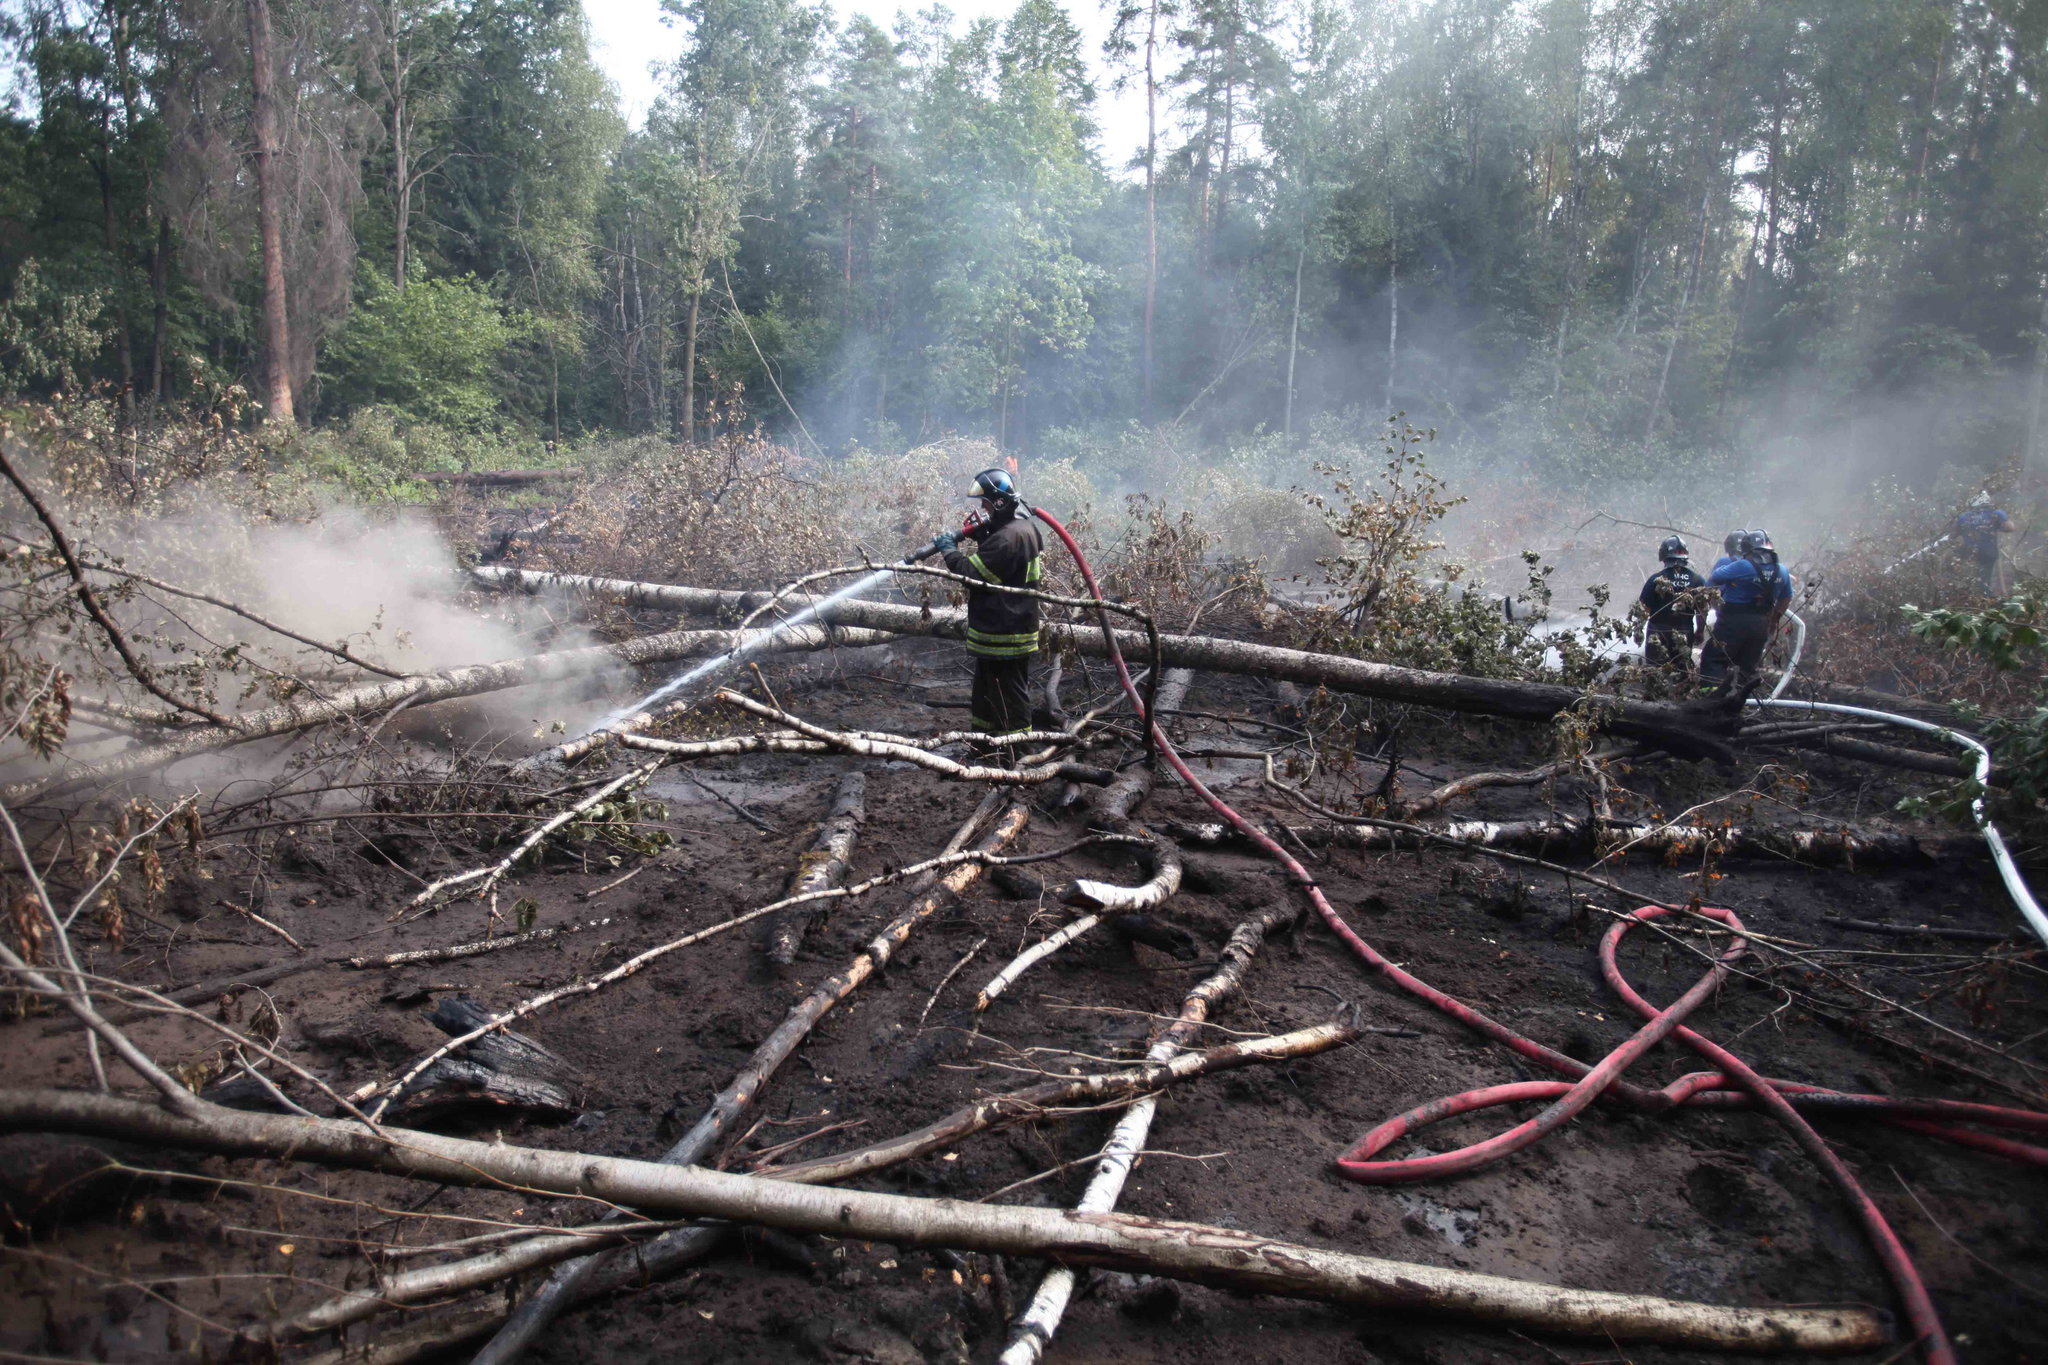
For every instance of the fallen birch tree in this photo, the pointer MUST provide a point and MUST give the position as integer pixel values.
(1693, 727)
(996, 1111)
(1033, 1330)
(1616, 839)
(1097, 899)
(1095, 1089)
(1111, 807)
(1224, 1257)
(745, 1089)
(472, 680)
(825, 864)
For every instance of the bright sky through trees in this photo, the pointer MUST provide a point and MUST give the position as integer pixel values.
(628, 38)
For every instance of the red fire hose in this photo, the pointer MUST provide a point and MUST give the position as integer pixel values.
(1734, 1083)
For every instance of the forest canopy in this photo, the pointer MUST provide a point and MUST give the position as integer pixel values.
(1580, 236)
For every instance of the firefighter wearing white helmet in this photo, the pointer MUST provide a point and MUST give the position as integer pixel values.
(1000, 545)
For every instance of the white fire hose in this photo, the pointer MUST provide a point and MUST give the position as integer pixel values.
(2008, 870)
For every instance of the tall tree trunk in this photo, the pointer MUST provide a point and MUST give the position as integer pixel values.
(1151, 199)
(1909, 222)
(2035, 457)
(117, 29)
(629, 337)
(1678, 323)
(689, 394)
(401, 153)
(160, 307)
(1771, 187)
(1749, 274)
(110, 225)
(1575, 205)
(277, 347)
(1229, 133)
(1393, 325)
(1294, 339)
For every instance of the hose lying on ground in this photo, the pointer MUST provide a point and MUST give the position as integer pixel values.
(1980, 758)
(1928, 1332)
(2008, 870)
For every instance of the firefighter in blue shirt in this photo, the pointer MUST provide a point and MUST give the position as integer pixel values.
(1755, 593)
(1674, 609)
(1978, 530)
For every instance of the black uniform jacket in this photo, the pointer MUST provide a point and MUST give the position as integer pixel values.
(1001, 625)
(1661, 598)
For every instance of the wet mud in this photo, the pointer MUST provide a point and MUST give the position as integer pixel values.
(154, 1262)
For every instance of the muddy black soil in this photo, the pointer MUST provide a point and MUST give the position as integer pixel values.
(1720, 1207)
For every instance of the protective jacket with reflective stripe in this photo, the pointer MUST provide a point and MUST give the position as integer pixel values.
(1001, 624)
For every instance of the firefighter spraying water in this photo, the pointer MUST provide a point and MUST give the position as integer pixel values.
(999, 545)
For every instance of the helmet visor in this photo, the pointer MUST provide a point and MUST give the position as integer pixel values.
(992, 483)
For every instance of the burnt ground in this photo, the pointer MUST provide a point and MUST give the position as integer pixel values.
(1720, 1207)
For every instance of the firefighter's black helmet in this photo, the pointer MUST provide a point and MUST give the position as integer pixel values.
(1673, 550)
(994, 486)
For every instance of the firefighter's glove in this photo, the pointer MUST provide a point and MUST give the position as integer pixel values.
(944, 541)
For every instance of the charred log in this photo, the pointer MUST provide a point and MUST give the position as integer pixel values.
(504, 1069)
(824, 864)
(1615, 839)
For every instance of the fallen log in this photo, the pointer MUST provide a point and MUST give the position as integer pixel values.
(1888, 755)
(896, 747)
(744, 1090)
(1140, 1081)
(1034, 1328)
(1098, 899)
(1112, 807)
(1935, 712)
(1820, 847)
(1224, 1257)
(502, 1068)
(997, 1111)
(420, 689)
(1472, 782)
(1689, 727)
(500, 478)
(415, 956)
(440, 1281)
(825, 863)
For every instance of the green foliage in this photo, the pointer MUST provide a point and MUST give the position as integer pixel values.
(430, 352)
(50, 335)
(1383, 524)
(1518, 219)
(378, 454)
(2012, 634)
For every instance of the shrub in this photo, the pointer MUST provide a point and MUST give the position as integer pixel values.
(379, 454)
(430, 351)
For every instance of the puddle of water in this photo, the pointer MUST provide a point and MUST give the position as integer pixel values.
(669, 785)
(1460, 1227)
(1227, 772)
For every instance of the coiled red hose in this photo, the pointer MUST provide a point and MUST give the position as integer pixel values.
(1734, 1083)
